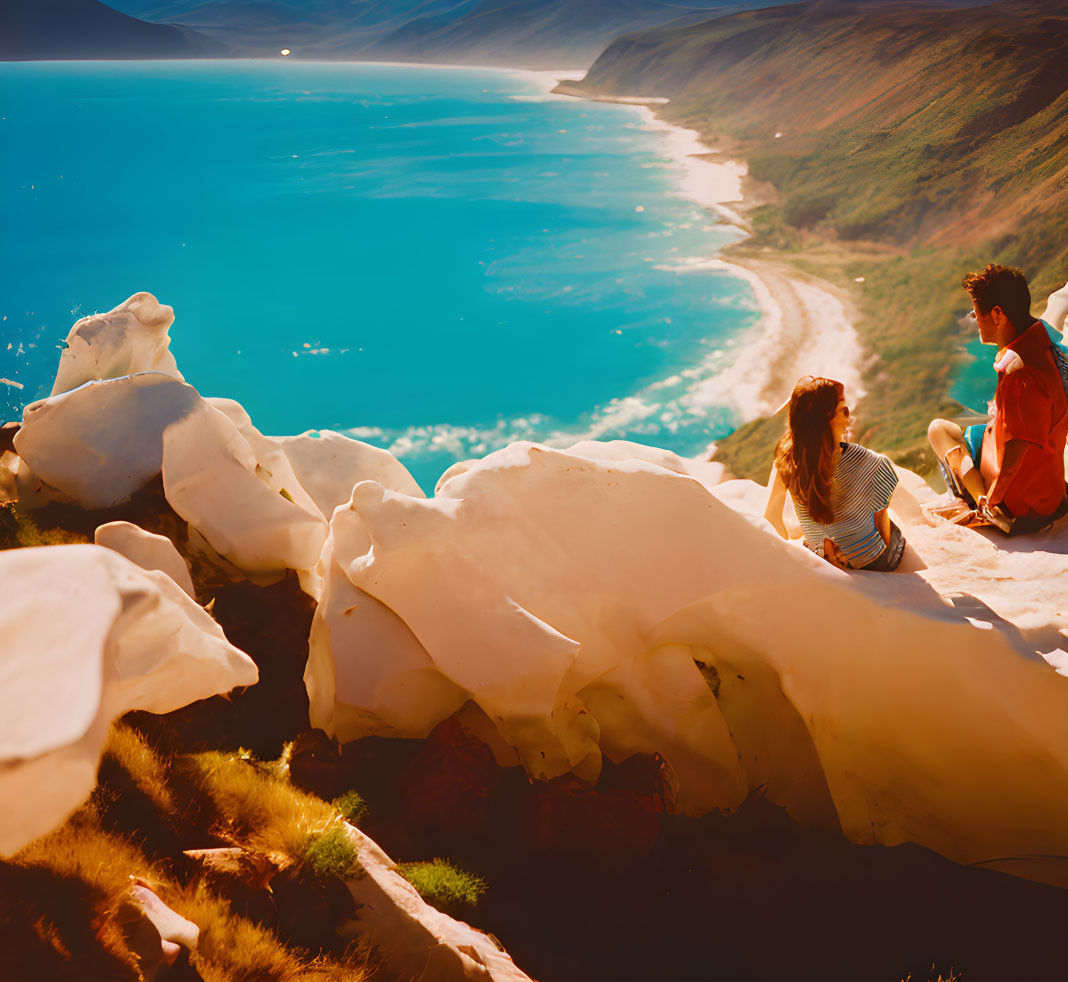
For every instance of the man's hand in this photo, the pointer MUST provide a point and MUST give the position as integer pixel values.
(832, 554)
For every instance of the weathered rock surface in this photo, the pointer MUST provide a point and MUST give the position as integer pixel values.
(330, 465)
(155, 933)
(120, 415)
(573, 598)
(258, 518)
(86, 636)
(147, 550)
(413, 939)
(102, 441)
(132, 338)
(361, 693)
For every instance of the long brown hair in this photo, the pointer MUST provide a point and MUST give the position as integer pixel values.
(804, 456)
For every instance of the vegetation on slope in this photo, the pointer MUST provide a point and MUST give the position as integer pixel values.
(937, 133)
(265, 904)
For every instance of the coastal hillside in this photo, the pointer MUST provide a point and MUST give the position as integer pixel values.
(904, 144)
(513, 33)
(86, 29)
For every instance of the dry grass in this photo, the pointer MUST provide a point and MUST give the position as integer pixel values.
(62, 894)
(235, 949)
(18, 530)
(258, 808)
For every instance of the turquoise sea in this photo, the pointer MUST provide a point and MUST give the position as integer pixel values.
(434, 260)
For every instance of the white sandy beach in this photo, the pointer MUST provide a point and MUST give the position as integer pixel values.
(806, 325)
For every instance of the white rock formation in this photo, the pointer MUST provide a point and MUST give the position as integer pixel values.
(9, 468)
(85, 636)
(365, 692)
(120, 415)
(155, 933)
(413, 939)
(258, 518)
(147, 550)
(572, 597)
(329, 465)
(130, 339)
(101, 442)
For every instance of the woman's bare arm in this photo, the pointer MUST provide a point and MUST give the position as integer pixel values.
(882, 523)
(776, 502)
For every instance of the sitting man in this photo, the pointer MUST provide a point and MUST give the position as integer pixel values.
(1017, 472)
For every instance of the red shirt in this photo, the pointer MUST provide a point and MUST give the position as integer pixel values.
(1029, 405)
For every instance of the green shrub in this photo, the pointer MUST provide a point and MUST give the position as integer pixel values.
(332, 853)
(351, 807)
(443, 885)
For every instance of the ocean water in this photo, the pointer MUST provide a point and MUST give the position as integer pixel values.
(436, 261)
(976, 379)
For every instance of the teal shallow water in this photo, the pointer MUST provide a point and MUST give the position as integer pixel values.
(435, 260)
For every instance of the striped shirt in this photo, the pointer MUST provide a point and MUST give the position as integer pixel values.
(862, 485)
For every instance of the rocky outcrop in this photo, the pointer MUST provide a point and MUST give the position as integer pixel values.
(102, 441)
(88, 636)
(250, 509)
(132, 338)
(120, 415)
(413, 939)
(597, 606)
(147, 550)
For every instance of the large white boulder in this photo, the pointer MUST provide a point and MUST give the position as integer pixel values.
(329, 465)
(101, 442)
(574, 599)
(85, 636)
(259, 517)
(147, 550)
(130, 339)
(364, 693)
(325, 465)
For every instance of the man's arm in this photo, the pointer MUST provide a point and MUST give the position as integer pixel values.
(1011, 460)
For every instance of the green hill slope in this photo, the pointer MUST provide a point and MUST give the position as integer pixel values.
(907, 144)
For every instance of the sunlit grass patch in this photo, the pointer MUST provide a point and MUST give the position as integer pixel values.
(135, 755)
(331, 853)
(73, 885)
(259, 809)
(351, 807)
(443, 885)
(232, 948)
(19, 530)
(81, 851)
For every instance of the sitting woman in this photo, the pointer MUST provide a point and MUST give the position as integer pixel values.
(840, 490)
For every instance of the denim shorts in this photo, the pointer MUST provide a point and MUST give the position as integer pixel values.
(890, 558)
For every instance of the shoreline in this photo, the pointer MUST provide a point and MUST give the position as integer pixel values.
(807, 324)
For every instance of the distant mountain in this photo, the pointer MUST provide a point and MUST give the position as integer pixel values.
(903, 122)
(520, 33)
(85, 29)
(541, 33)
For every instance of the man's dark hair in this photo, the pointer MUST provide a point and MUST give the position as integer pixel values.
(1004, 287)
